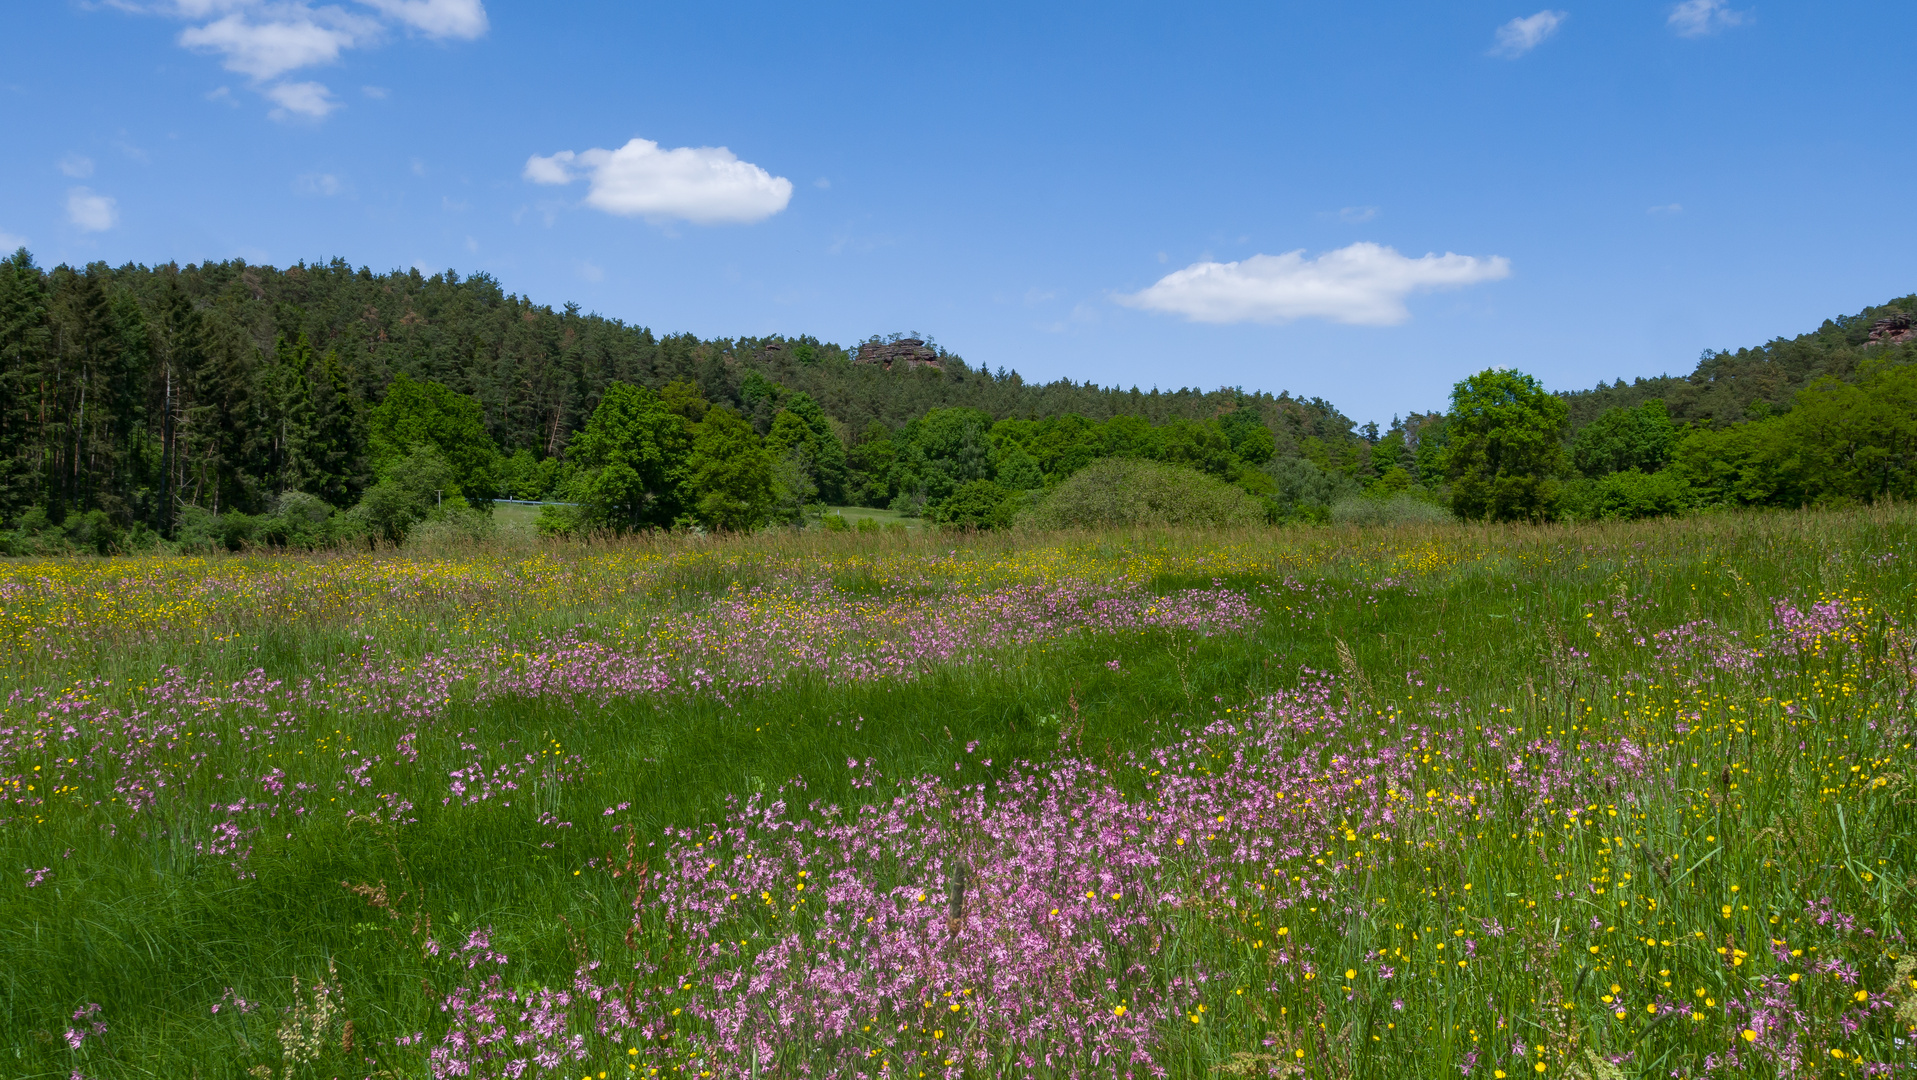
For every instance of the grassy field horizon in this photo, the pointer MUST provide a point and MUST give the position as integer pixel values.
(1595, 801)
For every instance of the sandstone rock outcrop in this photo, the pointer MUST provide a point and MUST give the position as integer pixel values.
(908, 351)
(1894, 329)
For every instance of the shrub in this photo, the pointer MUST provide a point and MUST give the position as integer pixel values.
(298, 520)
(452, 529)
(201, 529)
(413, 488)
(1628, 495)
(1401, 509)
(1118, 491)
(977, 504)
(1303, 491)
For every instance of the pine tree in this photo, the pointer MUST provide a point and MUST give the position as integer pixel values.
(25, 340)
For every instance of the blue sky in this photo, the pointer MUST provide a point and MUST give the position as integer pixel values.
(1359, 201)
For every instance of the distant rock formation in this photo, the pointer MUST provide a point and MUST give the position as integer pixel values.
(1893, 329)
(909, 351)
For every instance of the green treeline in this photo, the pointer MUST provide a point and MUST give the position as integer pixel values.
(1827, 418)
(240, 404)
(231, 404)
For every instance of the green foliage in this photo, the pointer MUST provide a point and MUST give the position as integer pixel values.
(801, 424)
(1393, 452)
(1016, 469)
(1248, 436)
(1839, 443)
(1628, 496)
(413, 488)
(1396, 509)
(141, 391)
(415, 414)
(1505, 443)
(872, 468)
(300, 521)
(1304, 491)
(630, 462)
(523, 476)
(222, 385)
(1200, 446)
(1640, 437)
(946, 448)
(729, 474)
(978, 504)
(1124, 492)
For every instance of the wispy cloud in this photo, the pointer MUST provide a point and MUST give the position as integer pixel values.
(268, 39)
(1699, 18)
(1520, 36)
(90, 211)
(302, 100)
(464, 19)
(325, 185)
(262, 46)
(10, 243)
(78, 166)
(1667, 208)
(1364, 284)
(1350, 215)
(705, 185)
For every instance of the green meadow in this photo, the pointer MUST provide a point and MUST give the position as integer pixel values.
(1598, 801)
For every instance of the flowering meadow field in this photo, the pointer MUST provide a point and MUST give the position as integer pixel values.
(1594, 802)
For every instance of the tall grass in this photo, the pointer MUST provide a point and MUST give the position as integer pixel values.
(1559, 753)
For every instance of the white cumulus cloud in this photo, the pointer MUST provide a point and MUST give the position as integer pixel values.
(705, 185)
(1520, 36)
(309, 100)
(1364, 284)
(91, 211)
(1697, 18)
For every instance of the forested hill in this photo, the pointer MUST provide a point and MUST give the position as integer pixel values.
(122, 388)
(282, 406)
(1751, 383)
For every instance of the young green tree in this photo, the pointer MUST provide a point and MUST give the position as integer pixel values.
(871, 467)
(729, 474)
(803, 424)
(947, 447)
(411, 490)
(1505, 443)
(631, 459)
(420, 413)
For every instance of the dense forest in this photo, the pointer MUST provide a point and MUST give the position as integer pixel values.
(234, 404)
(133, 396)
